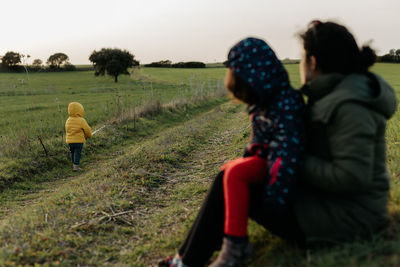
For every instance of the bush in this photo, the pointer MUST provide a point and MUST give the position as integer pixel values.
(16, 68)
(190, 64)
(388, 58)
(392, 57)
(160, 64)
(69, 67)
(168, 64)
(34, 68)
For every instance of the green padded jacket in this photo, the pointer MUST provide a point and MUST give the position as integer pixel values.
(344, 188)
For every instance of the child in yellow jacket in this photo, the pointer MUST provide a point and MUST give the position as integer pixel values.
(77, 130)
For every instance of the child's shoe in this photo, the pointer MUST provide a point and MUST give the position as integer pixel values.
(232, 254)
(172, 262)
(76, 168)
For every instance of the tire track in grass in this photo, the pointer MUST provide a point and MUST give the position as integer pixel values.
(180, 197)
(13, 199)
(135, 207)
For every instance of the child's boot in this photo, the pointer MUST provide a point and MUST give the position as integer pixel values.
(232, 253)
(172, 262)
(76, 168)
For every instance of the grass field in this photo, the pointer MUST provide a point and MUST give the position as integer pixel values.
(33, 111)
(40, 100)
(145, 176)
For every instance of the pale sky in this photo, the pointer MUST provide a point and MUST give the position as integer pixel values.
(184, 30)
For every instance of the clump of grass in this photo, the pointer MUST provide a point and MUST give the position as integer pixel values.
(151, 108)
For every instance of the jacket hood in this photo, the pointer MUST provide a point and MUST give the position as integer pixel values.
(253, 61)
(331, 90)
(75, 109)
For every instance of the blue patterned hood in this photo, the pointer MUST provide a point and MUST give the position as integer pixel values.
(253, 61)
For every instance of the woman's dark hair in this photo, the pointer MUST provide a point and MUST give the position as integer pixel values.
(335, 49)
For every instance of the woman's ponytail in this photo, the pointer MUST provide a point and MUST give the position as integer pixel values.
(367, 58)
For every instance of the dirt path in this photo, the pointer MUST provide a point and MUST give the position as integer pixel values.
(170, 208)
(132, 207)
(193, 178)
(20, 201)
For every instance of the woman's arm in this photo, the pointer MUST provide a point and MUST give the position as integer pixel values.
(351, 136)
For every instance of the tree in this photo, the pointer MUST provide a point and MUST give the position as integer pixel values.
(112, 61)
(37, 64)
(11, 60)
(56, 60)
(393, 56)
(398, 55)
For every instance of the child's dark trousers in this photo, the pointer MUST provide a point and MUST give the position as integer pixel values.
(207, 231)
(76, 152)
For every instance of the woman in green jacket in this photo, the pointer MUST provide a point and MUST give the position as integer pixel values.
(344, 189)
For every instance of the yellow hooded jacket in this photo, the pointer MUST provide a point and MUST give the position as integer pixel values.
(76, 126)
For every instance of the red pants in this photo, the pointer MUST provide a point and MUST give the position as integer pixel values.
(238, 174)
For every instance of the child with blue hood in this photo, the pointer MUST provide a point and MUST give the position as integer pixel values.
(260, 184)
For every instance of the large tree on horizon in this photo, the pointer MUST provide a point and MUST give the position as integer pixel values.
(11, 60)
(112, 61)
(56, 60)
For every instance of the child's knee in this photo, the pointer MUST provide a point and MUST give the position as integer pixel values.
(235, 172)
(231, 163)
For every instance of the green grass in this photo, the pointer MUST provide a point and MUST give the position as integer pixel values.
(185, 76)
(156, 169)
(41, 102)
(32, 174)
(34, 110)
(36, 104)
(148, 177)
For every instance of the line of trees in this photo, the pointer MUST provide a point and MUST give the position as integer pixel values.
(393, 56)
(111, 61)
(169, 64)
(11, 61)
